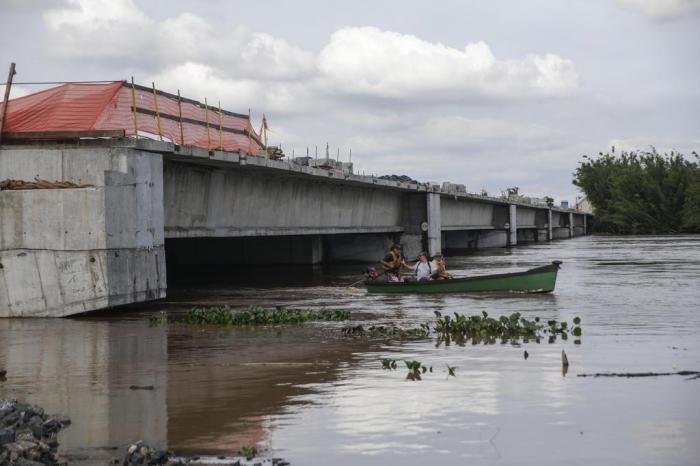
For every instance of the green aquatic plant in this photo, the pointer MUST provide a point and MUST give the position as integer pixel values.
(260, 316)
(381, 331)
(460, 329)
(248, 451)
(415, 369)
(512, 329)
(388, 364)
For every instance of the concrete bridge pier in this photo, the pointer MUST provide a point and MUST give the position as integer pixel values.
(434, 224)
(541, 222)
(571, 224)
(513, 225)
(550, 227)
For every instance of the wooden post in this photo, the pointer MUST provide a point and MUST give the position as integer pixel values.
(265, 130)
(8, 86)
(179, 111)
(155, 99)
(133, 106)
(221, 139)
(206, 117)
(249, 129)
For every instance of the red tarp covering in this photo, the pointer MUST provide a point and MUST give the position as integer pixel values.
(88, 107)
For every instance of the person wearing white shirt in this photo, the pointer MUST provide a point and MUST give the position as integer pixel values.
(423, 268)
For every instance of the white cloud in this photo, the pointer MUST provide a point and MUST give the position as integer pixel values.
(459, 131)
(108, 29)
(197, 80)
(369, 61)
(662, 9)
(243, 66)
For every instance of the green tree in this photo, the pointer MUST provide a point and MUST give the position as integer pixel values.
(642, 192)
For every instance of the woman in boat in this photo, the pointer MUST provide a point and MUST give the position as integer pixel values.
(439, 272)
(423, 268)
(392, 264)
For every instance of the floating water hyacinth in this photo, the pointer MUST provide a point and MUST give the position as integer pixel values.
(477, 329)
(381, 331)
(260, 316)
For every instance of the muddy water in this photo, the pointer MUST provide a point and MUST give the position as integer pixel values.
(312, 397)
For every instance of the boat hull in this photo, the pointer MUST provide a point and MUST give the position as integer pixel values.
(537, 280)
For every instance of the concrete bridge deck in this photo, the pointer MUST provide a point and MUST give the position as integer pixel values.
(74, 250)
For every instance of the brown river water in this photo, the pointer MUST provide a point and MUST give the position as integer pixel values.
(310, 396)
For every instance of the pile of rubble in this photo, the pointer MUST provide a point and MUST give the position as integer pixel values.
(140, 454)
(28, 435)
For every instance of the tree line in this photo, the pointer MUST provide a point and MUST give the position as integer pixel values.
(642, 192)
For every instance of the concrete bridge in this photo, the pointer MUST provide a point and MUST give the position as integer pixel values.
(67, 251)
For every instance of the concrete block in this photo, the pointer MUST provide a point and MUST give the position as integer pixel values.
(60, 283)
(65, 251)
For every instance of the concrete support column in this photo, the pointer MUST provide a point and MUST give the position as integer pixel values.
(571, 224)
(316, 249)
(434, 224)
(550, 236)
(585, 224)
(513, 228)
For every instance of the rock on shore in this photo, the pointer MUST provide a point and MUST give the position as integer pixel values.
(141, 454)
(28, 435)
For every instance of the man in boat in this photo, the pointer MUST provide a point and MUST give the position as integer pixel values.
(439, 272)
(393, 262)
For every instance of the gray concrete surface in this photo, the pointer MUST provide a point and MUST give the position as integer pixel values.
(66, 251)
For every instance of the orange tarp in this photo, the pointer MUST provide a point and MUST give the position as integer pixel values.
(87, 107)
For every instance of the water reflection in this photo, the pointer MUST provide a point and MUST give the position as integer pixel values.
(84, 369)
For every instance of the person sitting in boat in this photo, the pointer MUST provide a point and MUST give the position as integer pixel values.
(393, 262)
(438, 268)
(423, 268)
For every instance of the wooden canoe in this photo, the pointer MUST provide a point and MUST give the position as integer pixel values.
(537, 280)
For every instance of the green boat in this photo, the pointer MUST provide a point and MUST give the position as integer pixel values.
(537, 280)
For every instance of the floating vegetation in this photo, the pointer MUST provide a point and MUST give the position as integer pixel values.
(513, 329)
(248, 451)
(381, 331)
(388, 364)
(260, 316)
(460, 329)
(415, 368)
(477, 328)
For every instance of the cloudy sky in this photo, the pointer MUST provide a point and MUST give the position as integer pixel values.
(491, 93)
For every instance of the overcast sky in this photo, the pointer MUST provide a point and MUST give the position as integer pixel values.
(487, 93)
